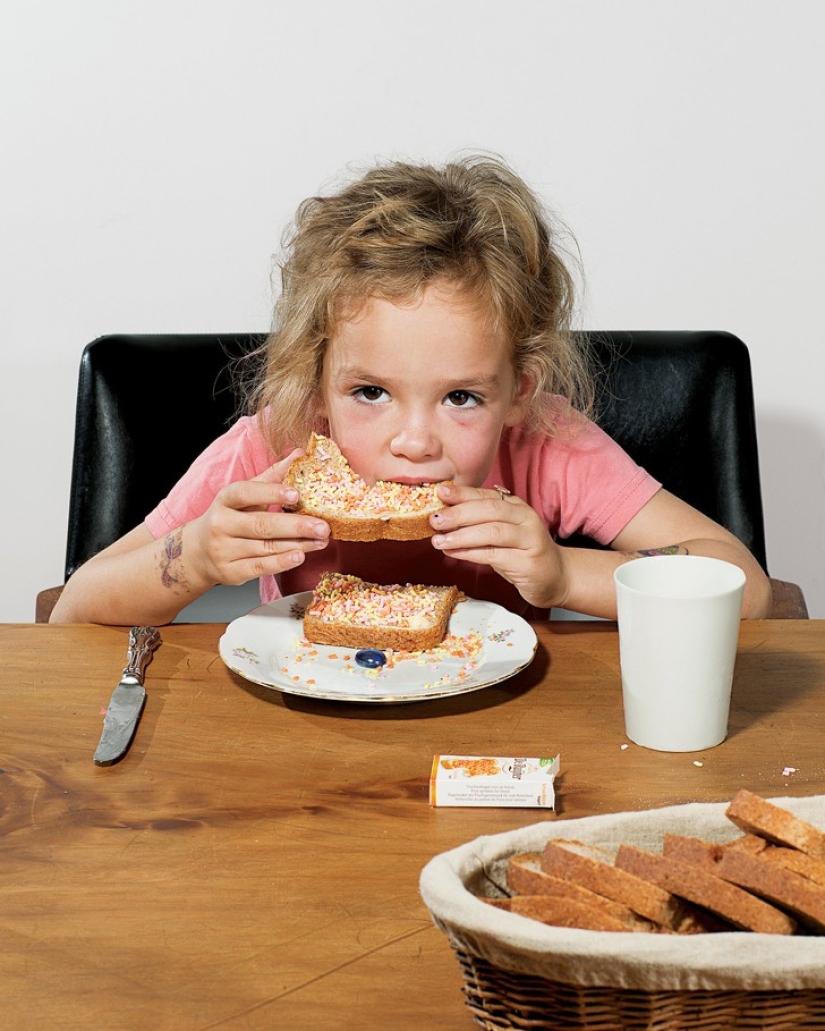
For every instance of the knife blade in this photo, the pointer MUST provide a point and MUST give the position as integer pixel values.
(128, 698)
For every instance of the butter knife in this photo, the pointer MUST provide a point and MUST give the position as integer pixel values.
(127, 701)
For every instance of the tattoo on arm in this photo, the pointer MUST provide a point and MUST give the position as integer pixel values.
(173, 571)
(671, 549)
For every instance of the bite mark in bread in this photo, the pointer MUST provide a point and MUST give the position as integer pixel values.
(331, 490)
(352, 613)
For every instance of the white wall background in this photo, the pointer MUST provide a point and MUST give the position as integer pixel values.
(152, 150)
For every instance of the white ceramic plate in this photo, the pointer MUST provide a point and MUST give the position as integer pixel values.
(267, 647)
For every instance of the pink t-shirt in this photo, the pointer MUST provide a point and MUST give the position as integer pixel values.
(581, 483)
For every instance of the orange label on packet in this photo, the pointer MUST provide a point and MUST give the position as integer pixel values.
(480, 780)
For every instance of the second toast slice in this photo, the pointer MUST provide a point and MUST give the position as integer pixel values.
(353, 613)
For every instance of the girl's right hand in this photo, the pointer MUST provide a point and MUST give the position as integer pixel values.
(139, 579)
(239, 538)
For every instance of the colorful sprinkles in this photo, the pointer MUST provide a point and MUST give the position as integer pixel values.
(341, 598)
(333, 484)
(463, 656)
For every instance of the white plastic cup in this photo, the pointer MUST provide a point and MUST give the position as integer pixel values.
(678, 633)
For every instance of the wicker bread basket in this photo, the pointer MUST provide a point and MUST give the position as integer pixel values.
(521, 974)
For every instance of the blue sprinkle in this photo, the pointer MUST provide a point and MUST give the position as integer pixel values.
(370, 658)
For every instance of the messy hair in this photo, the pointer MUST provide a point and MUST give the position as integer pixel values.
(472, 224)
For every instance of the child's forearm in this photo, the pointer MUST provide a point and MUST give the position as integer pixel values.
(589, 576)
(138, 581)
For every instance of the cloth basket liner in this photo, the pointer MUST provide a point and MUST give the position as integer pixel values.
(739, 960)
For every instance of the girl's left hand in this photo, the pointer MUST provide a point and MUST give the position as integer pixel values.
(495, 528)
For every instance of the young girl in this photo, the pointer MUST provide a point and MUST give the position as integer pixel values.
(423, 324)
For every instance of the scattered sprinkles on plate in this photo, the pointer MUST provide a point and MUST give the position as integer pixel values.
(462, 653)
(484, 646)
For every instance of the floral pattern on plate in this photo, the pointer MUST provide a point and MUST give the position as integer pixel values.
(485, 644)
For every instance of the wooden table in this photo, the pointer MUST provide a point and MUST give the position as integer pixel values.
(253, 862)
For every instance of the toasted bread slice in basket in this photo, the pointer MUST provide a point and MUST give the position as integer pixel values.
(756, 815)
(750, 883)
(526, 877)
(566, 912)
(696, 882)
(781, 855)
(574, 861)
(356, 511)
(790, 891)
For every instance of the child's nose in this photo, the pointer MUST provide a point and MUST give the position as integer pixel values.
(416, 442)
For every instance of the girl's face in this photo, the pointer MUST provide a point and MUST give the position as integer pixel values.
(420, 391)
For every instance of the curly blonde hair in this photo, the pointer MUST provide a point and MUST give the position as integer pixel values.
(472, 223)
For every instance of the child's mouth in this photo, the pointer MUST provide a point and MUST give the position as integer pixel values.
(406, 482)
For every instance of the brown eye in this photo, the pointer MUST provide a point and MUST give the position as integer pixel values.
(371, 394)
(462, 399)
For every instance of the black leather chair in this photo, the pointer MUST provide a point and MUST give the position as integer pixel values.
(146, 407)
(681, 403)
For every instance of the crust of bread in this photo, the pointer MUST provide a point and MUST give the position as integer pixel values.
(397, 527)
(526, 877)
(561, 912)
(798, 862)
(362, 631)
(690, 873)
(756, 815)
(781, 855)
(361, 513)
(641, 895)
(750, 843)
(771, 880)
(756, 875)
(783, 887)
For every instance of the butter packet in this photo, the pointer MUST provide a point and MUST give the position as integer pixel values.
(476, 780)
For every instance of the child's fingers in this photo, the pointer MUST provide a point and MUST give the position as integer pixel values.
(256, 495)
(492, 527)
(274, 476)
(259, 528)
(275, 473)
(472, 506)
(275, 554)
(266, 558)
(249, 544)
(274, 528)
(455, 494)
(264, 490)
(480, 543)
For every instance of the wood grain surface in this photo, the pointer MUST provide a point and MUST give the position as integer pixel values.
(253, 862)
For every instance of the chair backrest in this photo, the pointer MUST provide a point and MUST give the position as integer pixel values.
(146, 407)
(681, 403)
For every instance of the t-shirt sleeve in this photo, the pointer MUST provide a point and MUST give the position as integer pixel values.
(240, 454)
(601, 488)
(581, 481)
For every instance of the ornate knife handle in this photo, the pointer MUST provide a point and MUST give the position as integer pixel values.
(142, 642)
